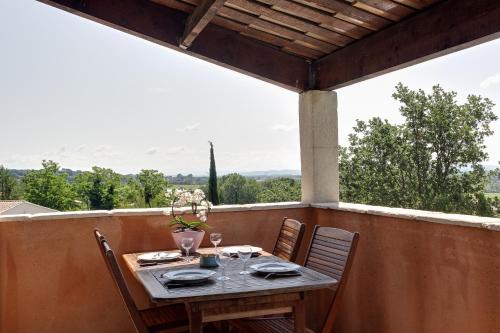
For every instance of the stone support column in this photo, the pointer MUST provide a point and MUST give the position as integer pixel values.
(319, 146)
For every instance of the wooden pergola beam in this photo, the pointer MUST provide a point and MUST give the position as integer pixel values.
(165, 26)
(444, 28)
(198, 20)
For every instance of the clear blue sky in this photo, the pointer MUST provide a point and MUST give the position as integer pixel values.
(83, 94)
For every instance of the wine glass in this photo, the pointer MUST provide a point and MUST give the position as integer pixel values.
(222, 262)
(216, 238)
(244, 253)
(187, 243)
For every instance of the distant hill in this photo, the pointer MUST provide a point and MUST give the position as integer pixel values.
(185, 179)
(273, 173)
(19, 173)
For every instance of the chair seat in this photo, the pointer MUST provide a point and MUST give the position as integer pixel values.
(264, 325)
(172, 317)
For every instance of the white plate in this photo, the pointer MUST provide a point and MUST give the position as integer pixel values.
(234, 249)
(158, 256)
(275, 267)
(189, 275)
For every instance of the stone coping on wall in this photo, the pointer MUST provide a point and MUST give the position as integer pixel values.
(410, 214)
(147, 212)
(489, 223)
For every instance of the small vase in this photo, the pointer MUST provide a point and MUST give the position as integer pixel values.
(196, 235)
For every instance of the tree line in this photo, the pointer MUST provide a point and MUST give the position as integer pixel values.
(103, 188)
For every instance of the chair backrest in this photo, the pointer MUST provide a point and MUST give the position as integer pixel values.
(288, 242)
(331, 252)
(116, 274)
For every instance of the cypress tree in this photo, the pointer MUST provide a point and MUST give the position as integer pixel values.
(213, 195)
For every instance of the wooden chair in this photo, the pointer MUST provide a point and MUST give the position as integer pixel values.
(331, 252)
(288, 242)
(168, 319)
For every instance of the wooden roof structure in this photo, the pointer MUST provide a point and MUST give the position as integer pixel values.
(302, 44)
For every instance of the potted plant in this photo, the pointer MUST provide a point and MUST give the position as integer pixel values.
(181, 227)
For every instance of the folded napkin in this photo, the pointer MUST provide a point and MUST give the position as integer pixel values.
(280, 275)
(254, 255)
(152, 263)
(147, 263)
(176, 284)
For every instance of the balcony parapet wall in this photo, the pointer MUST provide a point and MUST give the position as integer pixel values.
(488, 223)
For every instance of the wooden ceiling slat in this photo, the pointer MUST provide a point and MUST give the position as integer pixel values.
(276, 29)
(349, 13)
(416, 4)
(385, 8)
(284, 44)
(281, 23)
(322, 18)
(326, 35)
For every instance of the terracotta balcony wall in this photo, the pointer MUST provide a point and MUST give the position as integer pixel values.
(414, 271)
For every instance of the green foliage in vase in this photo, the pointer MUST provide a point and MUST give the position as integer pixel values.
(432, 161)
(180, 223)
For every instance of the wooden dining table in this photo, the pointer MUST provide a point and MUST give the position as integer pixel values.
(242, 296)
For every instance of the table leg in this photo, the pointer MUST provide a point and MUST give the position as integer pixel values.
(195, 318)
(299, 311)
(195, 324)
(224, 327)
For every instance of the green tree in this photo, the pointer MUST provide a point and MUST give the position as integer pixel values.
(153, 185)
(279, 190)
(432, 161)
(97, 188)
(82, 185)
(213, 194)
(236, 189)
(130, 194)
(49, 187)
(8, 184)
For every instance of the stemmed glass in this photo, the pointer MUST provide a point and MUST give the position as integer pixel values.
(222, 262)
(244, 253)
(215, 238)
(187, 243)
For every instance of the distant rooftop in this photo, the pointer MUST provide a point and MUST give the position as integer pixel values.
(12, 207)
(8, 204)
